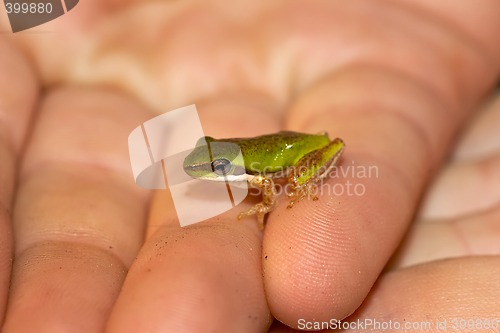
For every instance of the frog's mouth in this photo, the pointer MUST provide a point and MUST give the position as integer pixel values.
(204, 171)
(232, 178)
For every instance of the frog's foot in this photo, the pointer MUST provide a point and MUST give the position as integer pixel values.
(299, 193)
(266, 185)
(260, 210)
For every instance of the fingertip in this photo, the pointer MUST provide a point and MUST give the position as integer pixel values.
(195, 279)
(309, 271)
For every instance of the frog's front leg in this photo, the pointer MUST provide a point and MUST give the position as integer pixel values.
(266, 186)
(305, 176)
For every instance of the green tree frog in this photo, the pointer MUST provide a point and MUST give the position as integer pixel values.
(303, 159)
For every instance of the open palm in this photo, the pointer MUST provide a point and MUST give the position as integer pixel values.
(400, 83)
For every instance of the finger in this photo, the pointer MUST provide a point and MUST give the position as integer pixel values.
(203, 278)
(477, 234)
(454, 193)
(323, 258)
(475, 169)
(18, 93)
(456, 295)
(455, 220)
(481, 138)
(79, 218)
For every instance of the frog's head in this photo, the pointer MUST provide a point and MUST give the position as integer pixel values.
(215, 160)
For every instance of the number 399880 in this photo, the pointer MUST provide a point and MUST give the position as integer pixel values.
(28, 8)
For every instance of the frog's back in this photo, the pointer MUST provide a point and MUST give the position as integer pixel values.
(273, 152)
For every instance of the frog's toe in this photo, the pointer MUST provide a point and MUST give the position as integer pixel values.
(260, 220)
(295, 200)
(306, 190)
(247, 213)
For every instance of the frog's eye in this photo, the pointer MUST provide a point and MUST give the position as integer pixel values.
(221, 166)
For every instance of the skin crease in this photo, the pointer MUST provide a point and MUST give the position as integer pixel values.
(398, 81)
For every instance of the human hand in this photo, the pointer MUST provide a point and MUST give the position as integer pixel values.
(300, 67)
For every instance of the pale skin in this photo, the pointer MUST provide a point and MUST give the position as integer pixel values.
(395, 80)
